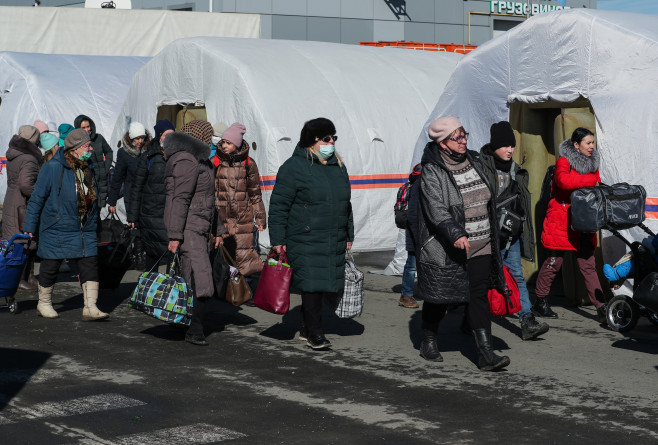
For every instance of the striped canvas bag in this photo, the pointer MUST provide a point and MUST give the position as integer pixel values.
(351, 302)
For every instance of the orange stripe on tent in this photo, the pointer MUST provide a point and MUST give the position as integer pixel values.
(388, 176)
(375, 186)
(652, 201)
(651, 215)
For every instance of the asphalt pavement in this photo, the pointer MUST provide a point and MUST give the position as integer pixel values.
(134, 380)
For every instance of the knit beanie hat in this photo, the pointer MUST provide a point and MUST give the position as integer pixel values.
(234, 133)
(201, 130)
(29, 132)
(136, 130)
(41, 126)
(441, 128)
(161, 126)
(48, 141)
(502, 135)
(76, 138)
(64, 130)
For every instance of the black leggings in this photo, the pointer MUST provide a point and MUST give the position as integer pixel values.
(478, 312)
(87, 267)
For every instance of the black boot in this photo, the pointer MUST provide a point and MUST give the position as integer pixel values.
(429, 349)
(488, 361)
(531, 328)
(28, 283)
(542, 309)
(602, 313)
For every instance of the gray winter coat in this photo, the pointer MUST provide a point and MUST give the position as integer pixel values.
(442, 277)
(522, 178)
(23, 162)
(190, 187)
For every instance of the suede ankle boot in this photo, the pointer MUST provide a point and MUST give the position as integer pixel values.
(90, 295)
(45, 305)
(487, 360)
(530, 327)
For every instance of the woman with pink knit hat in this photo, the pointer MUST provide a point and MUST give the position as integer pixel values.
(239, 201)
(457, 247)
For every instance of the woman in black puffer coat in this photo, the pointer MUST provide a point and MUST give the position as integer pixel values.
(145, 207)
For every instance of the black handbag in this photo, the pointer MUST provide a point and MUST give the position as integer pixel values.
(619, 206)
(221, 273)
(113, 231)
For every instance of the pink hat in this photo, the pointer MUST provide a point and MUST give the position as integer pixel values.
(442, 128)
(234, 133)
(41, 126)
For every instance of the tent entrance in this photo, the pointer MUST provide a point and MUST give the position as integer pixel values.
(539, 129)
(180, 114)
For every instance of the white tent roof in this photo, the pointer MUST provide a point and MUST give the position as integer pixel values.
(57, 88)
(112, 32)
(378, 99)
(609, 58)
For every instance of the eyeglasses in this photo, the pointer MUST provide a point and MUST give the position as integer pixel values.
(460, 138)
(328, 139)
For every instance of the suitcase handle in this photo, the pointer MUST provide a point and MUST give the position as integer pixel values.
(14, 238)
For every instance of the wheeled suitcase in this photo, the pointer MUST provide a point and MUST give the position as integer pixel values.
(619, 206)
(13, 257)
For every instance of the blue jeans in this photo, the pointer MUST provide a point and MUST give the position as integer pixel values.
(512, 259)
(409, 275)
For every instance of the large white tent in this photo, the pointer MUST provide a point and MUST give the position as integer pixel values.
(609, 58)
(57, 88)
(378, 98)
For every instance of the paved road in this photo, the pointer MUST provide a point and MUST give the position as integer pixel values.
(133, 380)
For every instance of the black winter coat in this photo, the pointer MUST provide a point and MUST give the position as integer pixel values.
(442, 277)
(124, 175)
(101, 158)
(146, 203)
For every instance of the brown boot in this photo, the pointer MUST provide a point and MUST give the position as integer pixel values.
(90, 294)
(45, 305)
(28, 283)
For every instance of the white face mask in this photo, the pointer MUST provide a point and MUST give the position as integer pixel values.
(215, 140)
(326, 151)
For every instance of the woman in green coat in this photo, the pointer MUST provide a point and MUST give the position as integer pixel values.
(311, 220)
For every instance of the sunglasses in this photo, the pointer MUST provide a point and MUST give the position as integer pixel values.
(328, 139)
(458, 139)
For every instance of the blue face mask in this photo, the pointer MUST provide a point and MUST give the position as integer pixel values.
(84, 157)
(326, 151)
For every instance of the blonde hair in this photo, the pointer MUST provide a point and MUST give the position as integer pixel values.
(310, 153)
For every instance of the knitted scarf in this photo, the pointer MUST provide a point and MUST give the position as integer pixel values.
(84, 182)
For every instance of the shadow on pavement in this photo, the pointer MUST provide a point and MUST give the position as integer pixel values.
(16, 368)
(289, 326)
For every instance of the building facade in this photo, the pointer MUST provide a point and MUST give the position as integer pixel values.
(353, 21)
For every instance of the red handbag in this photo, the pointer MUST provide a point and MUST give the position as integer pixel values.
(500, 304)
(273, 292)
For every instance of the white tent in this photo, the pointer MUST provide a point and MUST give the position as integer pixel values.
(609, 58)
(57, 88)
(112, 32)
(378, 99)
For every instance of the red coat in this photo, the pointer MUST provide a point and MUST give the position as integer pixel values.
(557, 233)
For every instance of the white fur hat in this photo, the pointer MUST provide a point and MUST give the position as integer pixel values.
(136, 130)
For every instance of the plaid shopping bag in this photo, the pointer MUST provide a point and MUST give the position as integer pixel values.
(351, 303)
(164, 296)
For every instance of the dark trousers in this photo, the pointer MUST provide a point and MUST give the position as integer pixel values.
(86, 267)
(478, 270)
(586, 264)
(312, 310)
(196, 327)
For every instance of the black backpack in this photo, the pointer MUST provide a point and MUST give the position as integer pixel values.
(401, 206)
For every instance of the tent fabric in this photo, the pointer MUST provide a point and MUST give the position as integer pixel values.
(606, 57)
(113, 32)
(377, 98)
(57, 88)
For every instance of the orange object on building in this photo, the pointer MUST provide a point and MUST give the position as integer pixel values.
(445, 47)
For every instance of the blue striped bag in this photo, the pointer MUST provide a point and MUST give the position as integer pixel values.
(164, 296)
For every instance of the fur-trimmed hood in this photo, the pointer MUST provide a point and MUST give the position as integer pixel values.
(128, 146)
(175, 142)
(21, 146)
(581, 163)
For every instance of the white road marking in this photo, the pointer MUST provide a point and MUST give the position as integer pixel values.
(198, 433)
(91, 404)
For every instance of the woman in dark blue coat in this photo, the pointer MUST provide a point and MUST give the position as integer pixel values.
(64, 208)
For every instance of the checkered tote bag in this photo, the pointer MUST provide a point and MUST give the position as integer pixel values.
(351, 303)
(164, 296)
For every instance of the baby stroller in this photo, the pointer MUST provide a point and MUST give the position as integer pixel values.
(13, 257)
(624, 311)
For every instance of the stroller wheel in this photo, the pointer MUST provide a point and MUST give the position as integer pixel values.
(622, 314)
(12, 304)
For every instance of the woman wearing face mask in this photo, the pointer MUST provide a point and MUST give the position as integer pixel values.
(239, 201)
(311, 220)
(457, 256)
(64, 209)
(577, 167)
(146, 203)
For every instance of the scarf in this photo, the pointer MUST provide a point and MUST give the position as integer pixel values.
(503, 166)
(84, 182)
